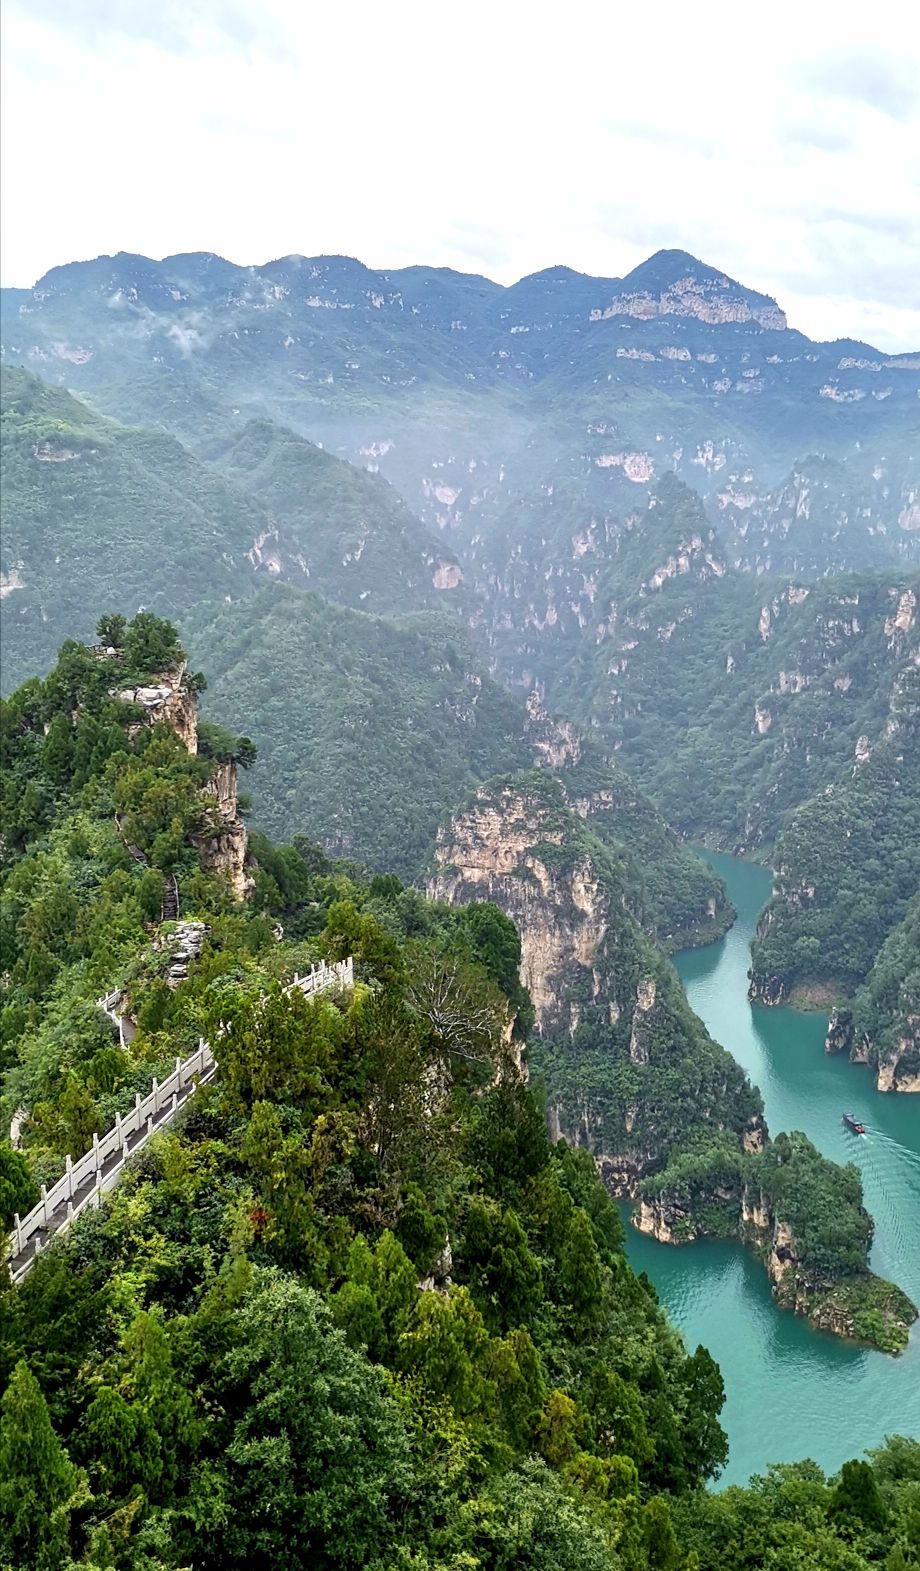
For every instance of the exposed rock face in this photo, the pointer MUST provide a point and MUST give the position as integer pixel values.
(168, 699)
(608, 1011)
(769, 990)
(184, 943)
(713, 299)
(896, 1063)
(224, 844)
(555, 742)
(642, 1017)
(755, 1134)
(493, 853)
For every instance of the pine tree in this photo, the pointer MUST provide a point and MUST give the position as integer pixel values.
(39, 1485)
(857, 1495)
(58, 751)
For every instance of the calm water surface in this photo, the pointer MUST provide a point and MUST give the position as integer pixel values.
(793, 1392)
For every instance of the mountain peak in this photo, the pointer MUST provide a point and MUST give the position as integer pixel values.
(674, 283)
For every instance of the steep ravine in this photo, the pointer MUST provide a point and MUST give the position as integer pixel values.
(632, 1074)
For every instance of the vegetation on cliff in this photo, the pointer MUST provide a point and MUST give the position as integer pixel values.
(887, 1008)
(354, 1309)
(353, 534)
(89, 503)
(91, 507)
(632, 1074)
(368, 728)
(805, 1217)
(398, 720)
(848, 864)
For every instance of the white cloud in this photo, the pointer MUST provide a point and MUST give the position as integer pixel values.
(493, 138)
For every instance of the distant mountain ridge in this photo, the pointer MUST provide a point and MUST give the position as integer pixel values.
(470, 396)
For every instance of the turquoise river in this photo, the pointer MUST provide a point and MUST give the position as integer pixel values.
(793, 1392)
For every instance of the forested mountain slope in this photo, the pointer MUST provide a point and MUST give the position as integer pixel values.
(368, 727)
(88, 502)
(355, 1310)
(882, 1029)
(354, 536)
(737, 697)
(370, 730)
(847, 865)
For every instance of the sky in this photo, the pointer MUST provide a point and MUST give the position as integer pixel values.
(779, 143)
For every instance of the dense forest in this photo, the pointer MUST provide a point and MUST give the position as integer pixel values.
(354, 1309)
(848, 865)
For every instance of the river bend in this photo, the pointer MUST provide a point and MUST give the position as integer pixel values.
(793, 1392)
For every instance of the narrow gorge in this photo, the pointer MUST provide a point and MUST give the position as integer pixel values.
(631, 1073)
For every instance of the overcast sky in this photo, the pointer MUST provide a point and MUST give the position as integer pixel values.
(780, 143)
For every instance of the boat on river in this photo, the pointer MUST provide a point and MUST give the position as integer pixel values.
(853, 1123)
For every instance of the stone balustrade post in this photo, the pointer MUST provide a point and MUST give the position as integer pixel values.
(97, 1161)
(68, 1173)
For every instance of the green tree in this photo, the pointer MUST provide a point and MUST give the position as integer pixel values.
(18, 1190)
(172, 1428)
(503, 1274)
(704, 1440)
(582, 1283)
(857, 1497)
(58, 751)
(661, 1545)
(110, 630)
(445, 1344)
(39, 1485)
(316, 1469)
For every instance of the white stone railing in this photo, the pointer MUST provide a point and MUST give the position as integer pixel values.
(84, 1182)
(318, 978)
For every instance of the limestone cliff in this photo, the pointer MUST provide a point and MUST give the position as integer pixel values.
(169, 698)
(628, 1068)
(895, 1059)
(224, 842)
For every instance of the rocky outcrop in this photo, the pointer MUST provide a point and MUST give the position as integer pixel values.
(610, 1023)
(706, 295)
(183, 944)
(896, 1061)
(502, 849)
(168, 698)
(769, 990)
(223, 843)
(223, 840)
(556, 743)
